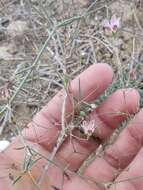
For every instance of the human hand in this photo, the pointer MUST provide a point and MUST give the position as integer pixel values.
(120, 165)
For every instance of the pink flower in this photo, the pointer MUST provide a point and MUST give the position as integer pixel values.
(88, 127)
(113, 24)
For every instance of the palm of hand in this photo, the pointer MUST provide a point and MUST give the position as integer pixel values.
(118, 168)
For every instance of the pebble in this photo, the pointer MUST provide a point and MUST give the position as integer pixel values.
(3, 145)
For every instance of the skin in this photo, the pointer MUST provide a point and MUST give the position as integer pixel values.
(121, 162)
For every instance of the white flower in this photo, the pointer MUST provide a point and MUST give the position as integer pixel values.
(113, 24)
(88, 127)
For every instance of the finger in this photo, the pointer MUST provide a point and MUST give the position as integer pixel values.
(107, 117)
(45, 128)
(120, 154)
(115, 110)
(132, 176)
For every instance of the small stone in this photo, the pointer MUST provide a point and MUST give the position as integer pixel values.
(17, 28)
(3, 145)
(4, 54)
(84, 3)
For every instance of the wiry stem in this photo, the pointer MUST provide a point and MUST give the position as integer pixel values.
(60, 140)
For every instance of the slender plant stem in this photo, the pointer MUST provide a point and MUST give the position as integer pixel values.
(60, 140)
